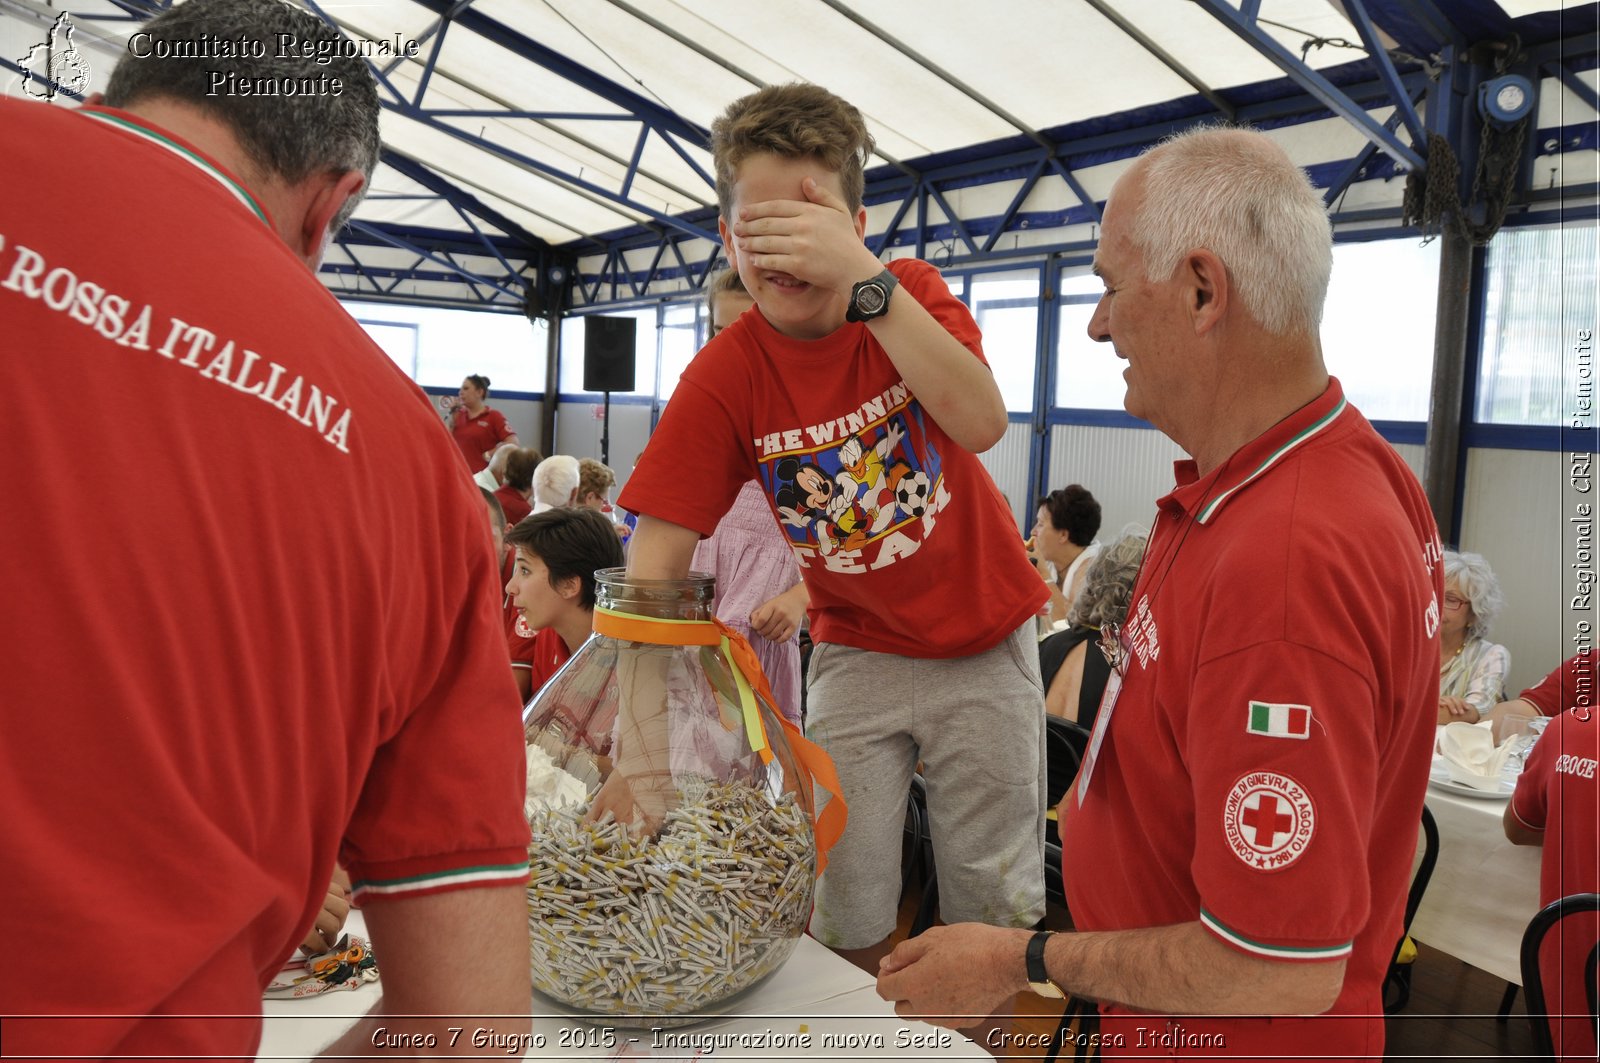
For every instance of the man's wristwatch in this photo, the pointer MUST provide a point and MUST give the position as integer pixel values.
(870, 298)
(1039, 978)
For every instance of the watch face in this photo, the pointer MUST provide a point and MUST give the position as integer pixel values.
(871, 299)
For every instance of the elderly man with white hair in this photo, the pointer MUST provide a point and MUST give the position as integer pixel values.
(1239, 840)
(555, 482)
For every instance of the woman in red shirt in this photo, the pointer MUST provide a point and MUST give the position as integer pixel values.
(478, 428)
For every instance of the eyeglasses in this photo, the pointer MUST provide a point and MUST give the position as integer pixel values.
(1454, 601)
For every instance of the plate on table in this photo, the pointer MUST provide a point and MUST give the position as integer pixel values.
(1450, 786)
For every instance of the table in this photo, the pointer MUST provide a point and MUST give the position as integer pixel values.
(815, 996)
(1484, 890)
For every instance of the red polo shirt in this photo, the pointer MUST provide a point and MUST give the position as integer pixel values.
(478, 435)
(1567, 687)
(542, 652)
(513, 504)
(1558, 793)
(1263, 769)
(322, 677)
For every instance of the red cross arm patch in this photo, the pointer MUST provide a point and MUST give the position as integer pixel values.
(1268, 820)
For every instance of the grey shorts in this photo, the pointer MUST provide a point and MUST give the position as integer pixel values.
(977, 725)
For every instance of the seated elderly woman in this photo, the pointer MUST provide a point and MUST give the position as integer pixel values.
(1071, 664)
(1472, 670)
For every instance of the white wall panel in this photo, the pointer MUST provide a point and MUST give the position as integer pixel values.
(578, 434)
(1413, 454)
(1126, 469)
(1007, 462)
(522, 415)
(1515, 516)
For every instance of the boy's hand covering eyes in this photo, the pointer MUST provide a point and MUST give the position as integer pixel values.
(815, 241)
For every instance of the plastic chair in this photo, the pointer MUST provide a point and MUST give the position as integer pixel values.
(1548, 918)
(1397, 982)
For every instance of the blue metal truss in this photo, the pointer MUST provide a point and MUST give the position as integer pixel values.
(1243, 23)
(653, 118)
(435, 256)
(1425, 86)
(512, 291)
(1030, 159)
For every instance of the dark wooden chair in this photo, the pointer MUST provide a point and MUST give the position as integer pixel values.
(1539, 927)
(1065, 745)
(1397, 981)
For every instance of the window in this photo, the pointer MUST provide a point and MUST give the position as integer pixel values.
(1377, 333)
(678, 346)
(449, 345)
(399, 342)
(1378, 324)
(1006, 306)
(1540, 291)
(644, 366)
(1088, 374)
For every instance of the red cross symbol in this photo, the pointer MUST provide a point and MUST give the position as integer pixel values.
(1267, 821)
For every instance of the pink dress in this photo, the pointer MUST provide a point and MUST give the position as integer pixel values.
(751, 560)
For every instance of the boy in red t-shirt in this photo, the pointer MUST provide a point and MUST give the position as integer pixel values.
(859, 397)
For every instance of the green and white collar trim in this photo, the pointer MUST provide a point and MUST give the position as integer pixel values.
(1306, 433)
(201, 163)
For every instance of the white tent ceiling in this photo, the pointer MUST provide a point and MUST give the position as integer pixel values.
(585, 118)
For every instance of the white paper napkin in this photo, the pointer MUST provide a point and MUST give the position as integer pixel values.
(1471, 757)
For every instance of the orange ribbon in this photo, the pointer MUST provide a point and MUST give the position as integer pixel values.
(828, 826)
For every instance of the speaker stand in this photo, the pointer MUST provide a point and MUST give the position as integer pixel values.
(605, 433)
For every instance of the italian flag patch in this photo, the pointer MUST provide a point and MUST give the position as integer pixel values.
(1279, 721)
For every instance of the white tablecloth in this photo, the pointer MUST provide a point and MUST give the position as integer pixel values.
(1484, 889)
(815, 995)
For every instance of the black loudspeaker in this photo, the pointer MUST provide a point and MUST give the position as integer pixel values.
(608, 345)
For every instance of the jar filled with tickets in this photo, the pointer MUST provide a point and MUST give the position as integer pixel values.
(675, 845)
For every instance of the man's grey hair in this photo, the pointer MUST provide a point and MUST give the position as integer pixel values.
(290, 137)
(555, 479)
(1478, 586)
(1108, 582)
(1235, 193)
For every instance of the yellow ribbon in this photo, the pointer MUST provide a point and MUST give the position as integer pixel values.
(750, 681)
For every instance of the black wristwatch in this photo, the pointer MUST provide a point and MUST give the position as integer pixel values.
(870, 298)
(1039, 978)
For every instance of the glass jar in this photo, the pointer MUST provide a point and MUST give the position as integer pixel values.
(673, 853)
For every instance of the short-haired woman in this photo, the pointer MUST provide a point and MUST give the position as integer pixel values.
(1472, 670)
(1063, 535)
